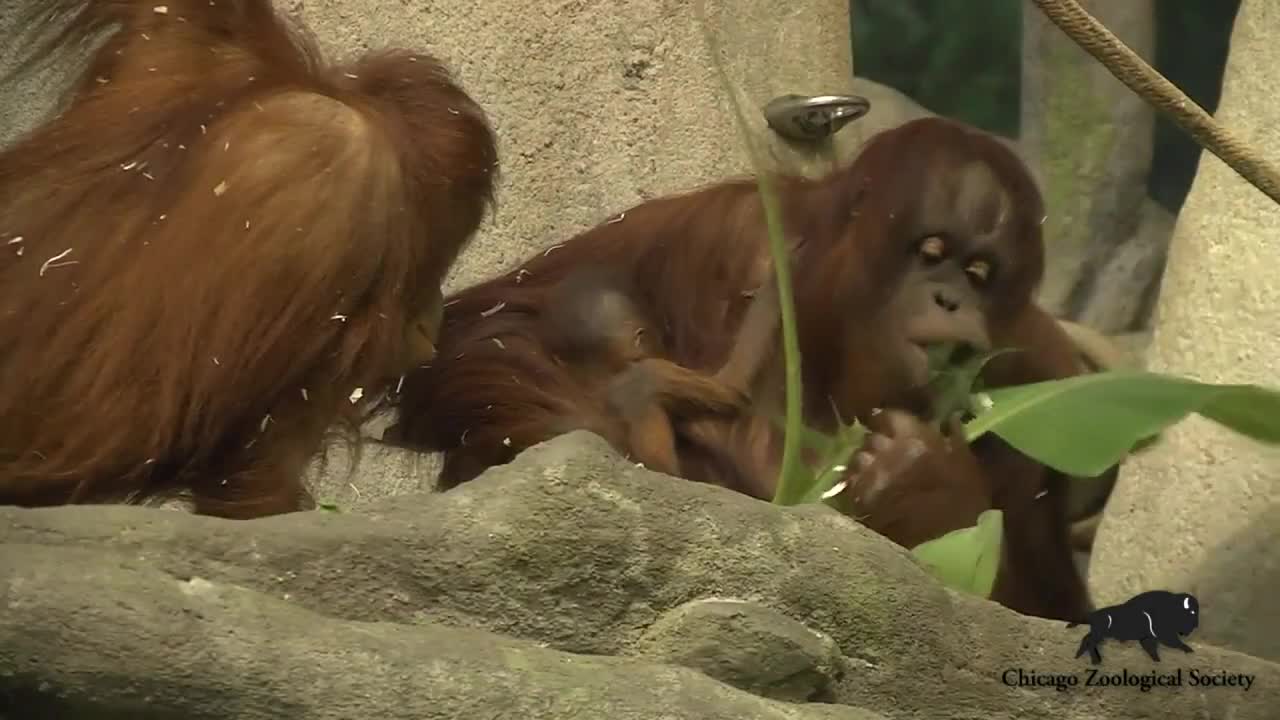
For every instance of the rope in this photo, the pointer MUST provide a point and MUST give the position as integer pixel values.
(1133, 71)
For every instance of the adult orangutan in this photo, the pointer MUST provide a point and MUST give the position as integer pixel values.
(932, 234)
(216, 248)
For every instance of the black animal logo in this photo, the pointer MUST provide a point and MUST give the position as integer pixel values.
(1152, 618)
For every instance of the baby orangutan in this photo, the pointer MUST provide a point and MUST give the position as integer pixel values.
(605, 339)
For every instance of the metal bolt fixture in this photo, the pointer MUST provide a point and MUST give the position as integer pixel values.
(809, 118)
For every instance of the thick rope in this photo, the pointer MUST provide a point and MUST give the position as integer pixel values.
(1133, 71)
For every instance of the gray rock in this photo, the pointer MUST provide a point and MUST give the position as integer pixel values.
(1089, 139)
(746, 645)
(394, 612)
(1118, 283)
(353, 477)
(1200, 512)
(146, 644)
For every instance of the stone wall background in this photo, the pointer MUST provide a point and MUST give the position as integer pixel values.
(1201, 511)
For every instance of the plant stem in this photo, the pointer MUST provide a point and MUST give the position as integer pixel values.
(790, 477)
(790, 488)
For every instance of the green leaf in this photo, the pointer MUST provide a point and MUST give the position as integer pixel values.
(834, 462)
(966, 559)
(802, 476)
(1084, 425)
(833, 452)
(951, 385)
(814, 484)
(327, 507)
(939, 354)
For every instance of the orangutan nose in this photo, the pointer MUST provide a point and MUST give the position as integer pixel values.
(945, 301)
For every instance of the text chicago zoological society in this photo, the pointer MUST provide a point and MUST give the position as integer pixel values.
(1094, 677)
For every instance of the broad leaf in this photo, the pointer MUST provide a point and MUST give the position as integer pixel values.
(966, 559)
(1086, 424)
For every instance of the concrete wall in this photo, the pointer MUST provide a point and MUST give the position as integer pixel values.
(1089, 139)
(598, 105)
(1199, 513)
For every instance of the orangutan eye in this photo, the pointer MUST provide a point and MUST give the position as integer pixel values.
(933, 248)
(980, 271)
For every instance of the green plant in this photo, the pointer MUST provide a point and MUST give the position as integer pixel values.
(1081, 426)
(967, 559)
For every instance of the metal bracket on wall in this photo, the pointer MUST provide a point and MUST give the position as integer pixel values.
(809, 118)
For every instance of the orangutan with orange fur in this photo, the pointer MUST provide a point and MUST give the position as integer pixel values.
(931, 235)
(217, 247)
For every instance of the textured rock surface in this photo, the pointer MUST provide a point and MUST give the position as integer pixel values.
(1089, 138)
(137, 612)
(146, 644)
(746, 645)
(1201, 512)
